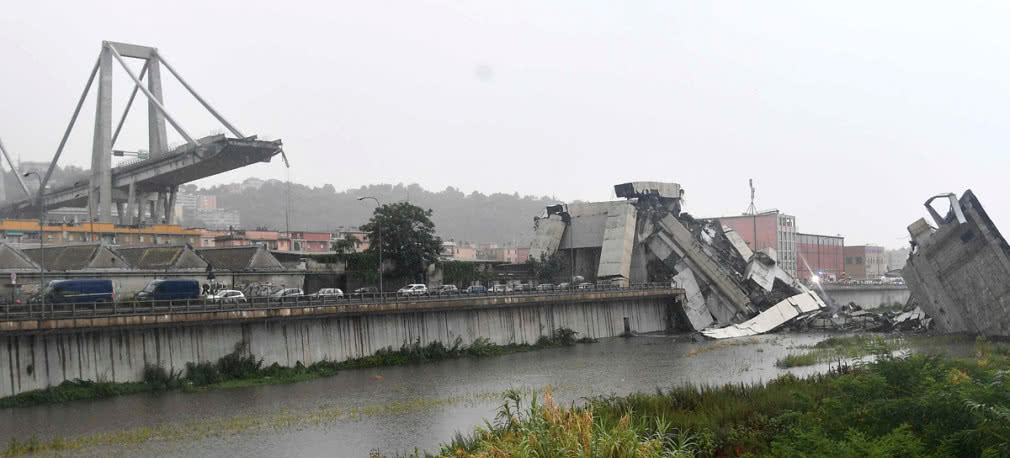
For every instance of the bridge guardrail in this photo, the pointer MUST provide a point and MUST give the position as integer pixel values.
(24, 311)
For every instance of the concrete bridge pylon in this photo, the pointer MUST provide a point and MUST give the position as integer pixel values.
(150, 187)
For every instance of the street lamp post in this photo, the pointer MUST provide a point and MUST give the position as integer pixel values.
(379, 226)
(42, 247)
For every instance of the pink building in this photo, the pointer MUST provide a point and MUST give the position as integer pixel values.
(522, 255)
(270, 240)
(313, 242)
(361, 245)
(458, 251)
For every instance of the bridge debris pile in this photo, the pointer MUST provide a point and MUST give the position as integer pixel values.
(959, 270)
(648, 238)
(852, 317)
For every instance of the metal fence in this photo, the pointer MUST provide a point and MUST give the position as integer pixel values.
(14, 312)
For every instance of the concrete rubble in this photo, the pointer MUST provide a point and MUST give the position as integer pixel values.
(730, 290)
(852, 317)
(959, 270)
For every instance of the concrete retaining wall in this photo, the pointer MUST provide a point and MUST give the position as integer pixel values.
(35, 360)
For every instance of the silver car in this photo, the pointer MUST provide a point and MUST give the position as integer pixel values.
(329, 293)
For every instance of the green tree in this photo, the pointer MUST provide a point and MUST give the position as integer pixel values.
(407, 235)
(546, 268)
(346, 245)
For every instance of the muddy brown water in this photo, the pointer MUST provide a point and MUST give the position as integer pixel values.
(395, 409)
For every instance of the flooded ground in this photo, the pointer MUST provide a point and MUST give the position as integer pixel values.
(396, 409)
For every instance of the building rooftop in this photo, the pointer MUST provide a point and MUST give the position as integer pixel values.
(251, 257)
(79, 256)
(162, 257)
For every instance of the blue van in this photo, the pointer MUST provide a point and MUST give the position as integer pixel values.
(170, 290)
(79, 291)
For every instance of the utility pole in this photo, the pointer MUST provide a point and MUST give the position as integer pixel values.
(378, 224)
(752, 210)
(567, 219)
(42, 247)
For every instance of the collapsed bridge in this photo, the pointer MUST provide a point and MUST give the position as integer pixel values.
(142, 190)
(730, 290)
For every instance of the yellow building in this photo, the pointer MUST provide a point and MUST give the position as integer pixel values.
(26, 231)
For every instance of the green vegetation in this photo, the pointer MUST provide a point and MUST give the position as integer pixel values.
(841, 348)
(546, 268)
(895, 307)
(239, 369)
(345, 245)
(463, 273)
(74, 390)
(407, 235)
(896, 407)
(364, 265)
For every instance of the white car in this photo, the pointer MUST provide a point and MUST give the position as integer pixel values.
(329, 292)
(288, 293)
(501, 289)
(413, 289)
(227, 296)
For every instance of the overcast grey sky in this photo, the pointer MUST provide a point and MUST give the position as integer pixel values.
(847, 115)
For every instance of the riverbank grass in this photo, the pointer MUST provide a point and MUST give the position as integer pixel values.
(897, 407)
(240, 369)
(841, 348)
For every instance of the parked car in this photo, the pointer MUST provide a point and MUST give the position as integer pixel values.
(332, 293)
(501, 289)
(545, 287)
(476, 289)
(79, 291)
(564, 285)
(170, 290)
(447, 290)
(365, 291)
(227, 296)
(413, 289)
(586, 285)
(287, 294)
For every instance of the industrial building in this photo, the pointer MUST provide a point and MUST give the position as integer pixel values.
(865, 262)
(820, 255)
(770, 229)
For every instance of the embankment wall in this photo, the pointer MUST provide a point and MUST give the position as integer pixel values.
(32, 359)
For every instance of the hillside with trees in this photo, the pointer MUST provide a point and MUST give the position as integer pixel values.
(475, 217)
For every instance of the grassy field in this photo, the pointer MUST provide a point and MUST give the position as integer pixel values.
(894, 407)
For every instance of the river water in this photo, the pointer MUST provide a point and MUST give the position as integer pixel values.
(392, 409)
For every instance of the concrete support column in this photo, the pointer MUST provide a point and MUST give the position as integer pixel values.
(121, 212)
(159, 208)
(170, 208)
(151, 208)
(131, 205)
(101, 153)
